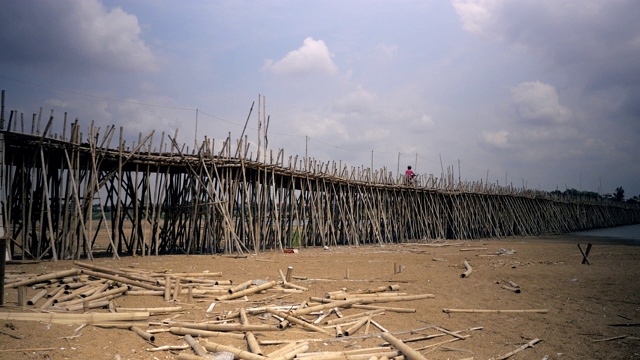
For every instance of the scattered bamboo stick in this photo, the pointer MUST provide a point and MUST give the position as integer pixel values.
(168, 348)
(205, 333)
(490, 311)
(143, 334)
(248, 291)
(297, 321)
(240, 354)
(467, 273)
(611, 338)
(37, 297)
(407, 350)
(523, 347)
(43, 278)
(511, 288)
(56, 318)
(195, 345)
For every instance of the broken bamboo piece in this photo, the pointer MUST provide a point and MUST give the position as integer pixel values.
(204, 333)
(195, 345)
(523, 347)
(240, 354)
(64, 318)
(490, 311)
(248, 291)
(143, 334)
(295, 320)
(252, 342)
(467, 273)
(407, 350)
(43, 278)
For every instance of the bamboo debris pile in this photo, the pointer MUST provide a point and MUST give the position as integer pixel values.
(338, 315)
(70, 194)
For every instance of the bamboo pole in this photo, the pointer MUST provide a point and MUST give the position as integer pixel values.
(408, 351)
(295, 320)
(293, 353)
(63, 318)
(252, 343)
(204, 333)
(226, 327)
(490, 311)
(523, 347)
(240, 354)
(467, 273)
(37, 297)
(43, 278)
(355, 327)
(143, 334)
(335, 304)
(248, 291)
(195, 345)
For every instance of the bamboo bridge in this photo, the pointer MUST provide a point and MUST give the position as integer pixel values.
(69, 196)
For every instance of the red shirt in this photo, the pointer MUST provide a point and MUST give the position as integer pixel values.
(410, 174)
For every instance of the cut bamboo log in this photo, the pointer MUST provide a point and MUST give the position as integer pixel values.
(467, 273)
(87, 305)
(167, 287)
(37, 297)
(152, 310)
(226, 327)
(54, 296)
(355, 327)
(335, 304)
(43, 278)
(185, 356)
(240, 354)
(195, 345)
(490, 311)
(22, 296)
(168, 348)
(289, 274)
(510, 288)
(354, 316)
(205, 333)
(143, 334)
(252, 343)
(285, 349)
(240, 287)
(64, 318)
(122, 279)
(293, 353)
(248, 291)
(523, 347)
(297, 321)
(407, 350)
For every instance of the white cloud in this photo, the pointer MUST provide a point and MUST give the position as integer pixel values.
(474, 14)
(358, 101)
(313, 57)
(426, 120)
(73, 35)
(495, 139)
(388, 50)
(537, 102)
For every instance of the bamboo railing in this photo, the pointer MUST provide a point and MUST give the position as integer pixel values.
(69, 196)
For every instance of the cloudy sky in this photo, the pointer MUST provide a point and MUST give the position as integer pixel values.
(540, 93)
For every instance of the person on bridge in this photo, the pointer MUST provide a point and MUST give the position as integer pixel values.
(409, 174)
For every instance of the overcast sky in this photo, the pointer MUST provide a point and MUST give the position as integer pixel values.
(544, 93)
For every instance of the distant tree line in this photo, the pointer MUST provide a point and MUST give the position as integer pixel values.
(617, 196)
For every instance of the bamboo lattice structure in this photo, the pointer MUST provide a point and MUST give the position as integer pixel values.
(61, 193)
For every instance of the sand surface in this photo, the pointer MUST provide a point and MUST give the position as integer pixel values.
(583, 301)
